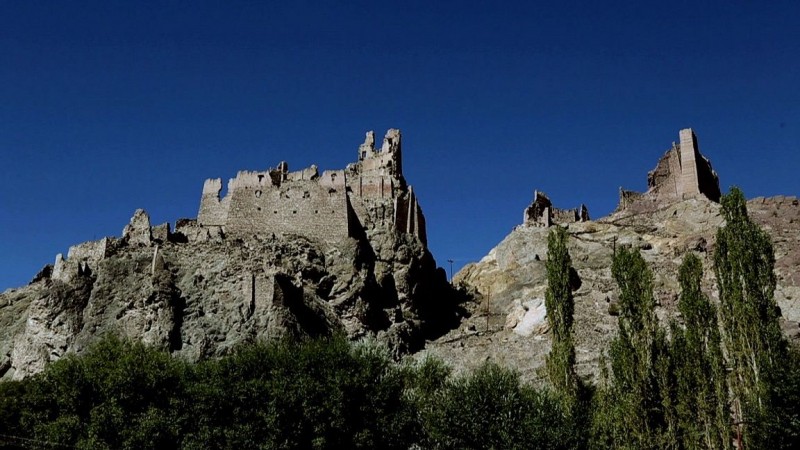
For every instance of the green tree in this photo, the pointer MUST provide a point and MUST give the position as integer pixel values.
(490, 409)
(560, 308)
(702, 388)
(635, 409)
(744, 261)
(120, 394)
(318, 394)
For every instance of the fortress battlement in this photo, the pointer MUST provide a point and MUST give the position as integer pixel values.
(329, 207)
(542, 213)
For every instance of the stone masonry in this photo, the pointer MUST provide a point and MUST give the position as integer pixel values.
(329, 207)
(680, 174)
(541, 213)
(369, 195)
(282, 254)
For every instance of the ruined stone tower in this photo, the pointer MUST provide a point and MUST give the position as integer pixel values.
(680, 174)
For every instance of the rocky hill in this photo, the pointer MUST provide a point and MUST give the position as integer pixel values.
(303, 254)
(679, 213)
(281, 254)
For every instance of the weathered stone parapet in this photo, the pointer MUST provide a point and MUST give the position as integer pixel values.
(367, 149)
(67, 270)
(92, 251)
(213, 209)
(333, 179)
(628, 198)
(327, 207)
(212, 186)
(161, 233)
(81, 259)
(541, 213)
(309, 173)
(188, 230)
(137, 232)
(388, 161)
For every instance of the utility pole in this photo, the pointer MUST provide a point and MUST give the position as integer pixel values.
(488, 296)
(451, 270)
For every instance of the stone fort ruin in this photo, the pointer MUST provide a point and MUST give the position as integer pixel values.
(337, 204)
(541, 213)
(680, 174)
(368, 197)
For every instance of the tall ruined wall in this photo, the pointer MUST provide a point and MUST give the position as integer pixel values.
(213, 209)
(279, 202)
(304, 207)
(378, 189)
(371, 193)
(688, 184)
(681, 173)
(664, 182)
(90, 251)
(541, 213)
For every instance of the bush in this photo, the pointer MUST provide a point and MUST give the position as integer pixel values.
(120, 394)
(319, 394)
(491, 409)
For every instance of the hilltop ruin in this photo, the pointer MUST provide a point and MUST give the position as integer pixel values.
(329, 207)
(680, 174)
(541, 213)
(281, 254)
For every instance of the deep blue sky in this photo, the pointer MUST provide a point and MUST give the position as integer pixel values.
(110, 106)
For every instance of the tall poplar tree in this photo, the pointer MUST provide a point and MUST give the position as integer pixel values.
(635, 410)
(702, 388)
(744, 261)
(560, 307)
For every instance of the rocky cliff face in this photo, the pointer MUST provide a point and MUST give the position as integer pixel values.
(201, 299)
(200, 291)
(511, 280)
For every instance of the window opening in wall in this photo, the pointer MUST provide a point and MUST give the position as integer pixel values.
(316, 211)
(294, 212)
(258, 208)
(306, 194)
(260, 178)
(274, 212)
(258, 193)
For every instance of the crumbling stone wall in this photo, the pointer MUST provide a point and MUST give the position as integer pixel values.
(304, 207)
(138, 231)
(92, 251)
(83, 258)
(279, 202)
(213, 209)
(541, 213)
(161, 233)
(681, 173)
(338, 204)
